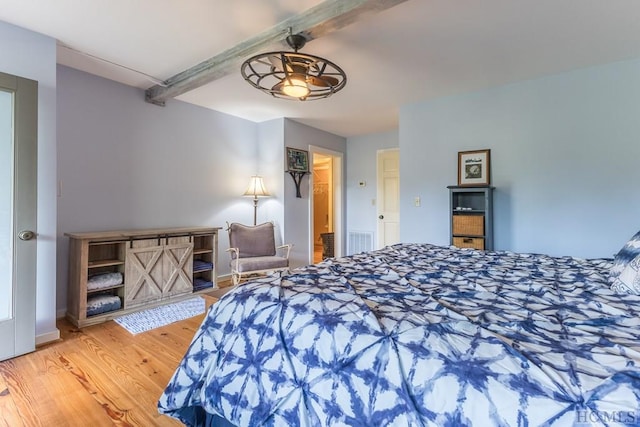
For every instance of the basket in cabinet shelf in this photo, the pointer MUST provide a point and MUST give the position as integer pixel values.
(469, 242)
(468, 225)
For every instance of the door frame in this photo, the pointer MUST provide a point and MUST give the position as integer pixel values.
(338, 199)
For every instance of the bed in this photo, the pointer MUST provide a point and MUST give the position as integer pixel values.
(418, 335)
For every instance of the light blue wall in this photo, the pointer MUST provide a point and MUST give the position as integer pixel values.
(271, 159)
(33, 56)
(362, 167)
(127, 164)
(297, 210)
(564, 153)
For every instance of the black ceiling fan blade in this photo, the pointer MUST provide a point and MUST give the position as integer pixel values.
(282, 63)
(275, 62)
(323, 81)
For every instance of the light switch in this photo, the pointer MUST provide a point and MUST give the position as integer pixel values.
(416, 201)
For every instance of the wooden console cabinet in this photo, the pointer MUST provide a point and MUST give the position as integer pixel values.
(156, 266)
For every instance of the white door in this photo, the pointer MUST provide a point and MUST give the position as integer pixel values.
(18, 161)
(388, 189)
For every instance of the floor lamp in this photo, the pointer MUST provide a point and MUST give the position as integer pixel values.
(256, 189)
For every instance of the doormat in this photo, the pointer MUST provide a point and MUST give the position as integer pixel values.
(156, 317)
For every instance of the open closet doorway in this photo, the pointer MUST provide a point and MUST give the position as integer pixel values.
(326, 204)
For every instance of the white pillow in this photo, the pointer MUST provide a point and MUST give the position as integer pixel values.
(628, 282)
(629, 251)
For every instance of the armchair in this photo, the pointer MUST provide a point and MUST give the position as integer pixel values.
(253, 251)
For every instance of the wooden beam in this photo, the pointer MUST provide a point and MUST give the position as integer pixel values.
(328, 16)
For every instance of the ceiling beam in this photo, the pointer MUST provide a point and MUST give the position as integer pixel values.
(328, 16)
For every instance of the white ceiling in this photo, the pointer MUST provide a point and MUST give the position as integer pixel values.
(417, 50)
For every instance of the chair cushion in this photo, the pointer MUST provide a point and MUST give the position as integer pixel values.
(261, 263)
(253, 241)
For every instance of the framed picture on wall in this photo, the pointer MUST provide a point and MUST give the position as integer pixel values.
(297, 160)
(474, 168)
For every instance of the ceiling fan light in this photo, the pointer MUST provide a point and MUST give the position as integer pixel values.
(295, 86)
(293, 75)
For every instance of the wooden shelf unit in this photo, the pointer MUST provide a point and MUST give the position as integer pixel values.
(204, 251)
(157, 267)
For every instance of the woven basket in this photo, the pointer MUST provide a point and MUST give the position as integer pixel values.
(469, 242)
(468, 225)
(327, 245)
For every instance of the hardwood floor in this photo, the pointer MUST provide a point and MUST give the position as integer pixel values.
(96, 376)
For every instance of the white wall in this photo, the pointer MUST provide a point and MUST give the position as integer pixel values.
(564, 157)
(33, 56)
(362, 167)
(127, 164)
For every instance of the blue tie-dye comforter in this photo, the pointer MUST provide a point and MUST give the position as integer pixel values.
(418, 335)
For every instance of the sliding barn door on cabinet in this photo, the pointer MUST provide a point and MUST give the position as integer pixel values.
(158, 268)
(177, 263)
(143, 272)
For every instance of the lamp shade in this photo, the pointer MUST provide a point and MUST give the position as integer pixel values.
(256, 188)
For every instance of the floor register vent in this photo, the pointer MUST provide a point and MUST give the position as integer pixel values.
(360, 241)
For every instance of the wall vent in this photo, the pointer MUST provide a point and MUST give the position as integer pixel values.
(360, 241)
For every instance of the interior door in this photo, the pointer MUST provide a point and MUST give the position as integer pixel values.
(388, 189)
(18, 195)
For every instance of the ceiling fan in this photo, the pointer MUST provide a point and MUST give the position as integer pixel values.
(294, 75)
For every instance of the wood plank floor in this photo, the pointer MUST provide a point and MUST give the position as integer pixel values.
(96, 376)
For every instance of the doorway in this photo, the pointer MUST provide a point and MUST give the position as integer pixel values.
(326, 204)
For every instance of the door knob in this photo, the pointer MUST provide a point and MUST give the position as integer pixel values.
(26, 235)
(380, 216)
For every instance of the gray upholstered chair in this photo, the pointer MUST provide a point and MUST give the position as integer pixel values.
(253, 251)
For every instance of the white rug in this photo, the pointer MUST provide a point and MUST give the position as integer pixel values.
(156, 317)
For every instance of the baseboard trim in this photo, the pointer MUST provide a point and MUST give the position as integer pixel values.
(48, 337)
